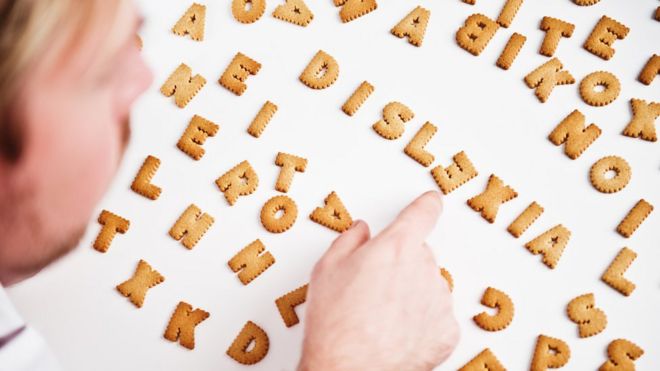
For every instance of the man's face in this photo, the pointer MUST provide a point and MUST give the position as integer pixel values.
(74, 111)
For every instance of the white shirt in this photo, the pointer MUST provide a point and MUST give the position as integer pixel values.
(21, 347)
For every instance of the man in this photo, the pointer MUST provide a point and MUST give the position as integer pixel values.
(69, 72)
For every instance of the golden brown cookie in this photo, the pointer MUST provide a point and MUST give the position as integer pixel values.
(590, 320)
(272, 208)
(413, 26)
(550, 353)
(546, 77)
(508, 12)
(599, 170)
(321, 72)
(251, 261)
(554, 29)
(333, 215)
(241, 180)
(476, 33)
(642, 124)
(525, 219)
(416, 147)
(455, 175)
(572, 133)
(192, 22)
(354, 9)
(191, 226)
(447, 276)
(286, 305)
(111, 224)
(294, 11)
(613, 276)
(265, 114)
(484, 361)
(239, 69)
(634, 219)
(289, 165)
(489, 201)
(550, 244)
(494, 298)
(610, 84)
(395, 115)
(248, 11)
(511, 50)
(182, 85)
(250, 346)
(182, 324)
(606, 31)
(192, 139)
(651, 69)
(470, 2)
(621, 354)
(358, 97)
(137, 286)
(586, 2)
(142, 181)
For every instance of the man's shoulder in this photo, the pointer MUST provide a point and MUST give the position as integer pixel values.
(21, 347)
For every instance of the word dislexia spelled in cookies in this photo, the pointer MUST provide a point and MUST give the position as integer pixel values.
(598, 88)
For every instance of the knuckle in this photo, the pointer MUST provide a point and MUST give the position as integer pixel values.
(320, 267)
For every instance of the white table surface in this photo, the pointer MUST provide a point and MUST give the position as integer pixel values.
(478, 108)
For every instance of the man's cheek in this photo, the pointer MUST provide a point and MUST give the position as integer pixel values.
(96, 154)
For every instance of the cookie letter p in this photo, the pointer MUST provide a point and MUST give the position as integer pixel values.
(550, 353)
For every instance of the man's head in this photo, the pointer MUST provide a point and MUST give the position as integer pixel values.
(69, 72)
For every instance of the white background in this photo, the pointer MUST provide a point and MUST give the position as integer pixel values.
(478, 108)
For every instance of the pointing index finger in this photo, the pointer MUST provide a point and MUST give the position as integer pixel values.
(416, 221)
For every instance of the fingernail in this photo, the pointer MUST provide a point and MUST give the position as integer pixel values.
(436, 194)
(356, 223)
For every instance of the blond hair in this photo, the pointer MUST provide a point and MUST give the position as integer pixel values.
(27, 31)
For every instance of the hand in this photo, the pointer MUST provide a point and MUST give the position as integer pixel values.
(380, 303)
